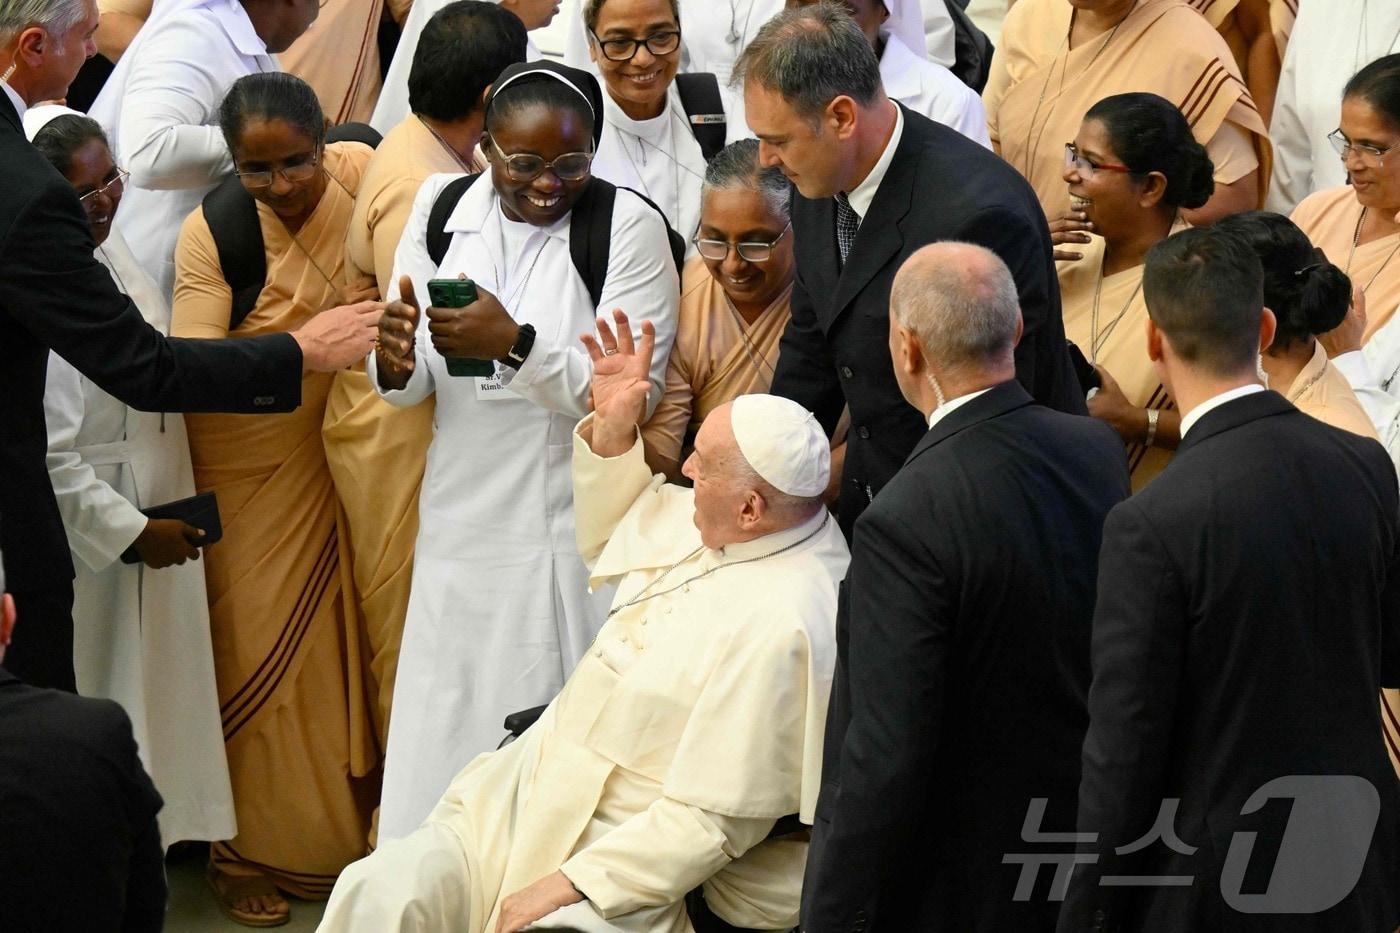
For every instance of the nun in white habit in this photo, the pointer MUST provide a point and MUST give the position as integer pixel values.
(140, 634)
(499, 610)
(647, 143)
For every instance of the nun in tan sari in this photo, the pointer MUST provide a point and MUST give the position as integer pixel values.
(1130, 171)
(735, 302)
(287, 655)
(1056, 59)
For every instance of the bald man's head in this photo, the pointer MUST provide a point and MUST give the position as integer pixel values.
(960, 301)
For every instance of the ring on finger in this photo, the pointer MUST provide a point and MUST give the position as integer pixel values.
(610, 352)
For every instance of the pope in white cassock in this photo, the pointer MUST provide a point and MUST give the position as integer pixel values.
(690, 727)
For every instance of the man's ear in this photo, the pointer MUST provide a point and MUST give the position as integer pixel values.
(30, 47)
(8, 614)
(841, 116)
(752, 512)
(1268, 329)
(1155, 339)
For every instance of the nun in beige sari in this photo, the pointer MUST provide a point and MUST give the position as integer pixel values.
(287, 654)
(735, 302)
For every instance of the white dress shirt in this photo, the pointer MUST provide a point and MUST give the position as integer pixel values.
(160, 109)
(1331, 41)
(864, 193)
(658, 157)
(1189, 419)
(952, 405)
(13, 95)
(929, 88)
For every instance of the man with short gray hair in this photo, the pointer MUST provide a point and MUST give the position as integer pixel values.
(876, 181)
(961, 679)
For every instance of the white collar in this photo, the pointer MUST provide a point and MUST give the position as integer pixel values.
(20, 105)
(758, 547)
(652, 128)
(899, 68)
(1189, 419)
(236, 24)
(948, 407)
(864, 193)
(479, 202)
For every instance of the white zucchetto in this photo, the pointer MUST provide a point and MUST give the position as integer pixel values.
(783, 442)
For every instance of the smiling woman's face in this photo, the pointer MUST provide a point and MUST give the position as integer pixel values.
(547, 132)
(742, 215)
(92, 168)
(277, 146)
(1375, 180)
(639, 84)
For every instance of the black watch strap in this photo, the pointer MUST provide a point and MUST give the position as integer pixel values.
(524, 340)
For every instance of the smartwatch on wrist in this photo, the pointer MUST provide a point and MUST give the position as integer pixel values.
(524, 340)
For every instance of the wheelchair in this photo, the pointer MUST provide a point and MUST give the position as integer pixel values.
(701, 917)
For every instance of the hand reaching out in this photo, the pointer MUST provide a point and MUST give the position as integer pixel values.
(1346, 336)
(393, 348)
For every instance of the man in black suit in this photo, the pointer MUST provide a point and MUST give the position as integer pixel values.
(55, 296)
(79, 845)
(875, 182)
(964, 637)
(1248, 614)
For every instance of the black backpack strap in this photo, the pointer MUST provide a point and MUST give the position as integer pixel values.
(590, 235)
(232, 215)
(438, 239)
(703, 105)
(354, 133)
(972, 48)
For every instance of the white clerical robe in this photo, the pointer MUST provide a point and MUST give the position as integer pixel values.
(160, 109)
(658, 157)
(499, 610)
(695, 721)
(1374, 374)
(140, 636)
(1331, 41)
(929, 88)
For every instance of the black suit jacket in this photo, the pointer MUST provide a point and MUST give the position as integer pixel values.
(79, 847)
(963, 668)
(1248, 612)
(939, 186)
(55, 296)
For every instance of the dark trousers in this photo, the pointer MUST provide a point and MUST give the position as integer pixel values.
(42, 652)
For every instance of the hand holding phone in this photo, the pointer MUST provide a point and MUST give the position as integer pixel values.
(458, 293)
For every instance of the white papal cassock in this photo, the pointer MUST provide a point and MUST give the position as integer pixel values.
(694, 722)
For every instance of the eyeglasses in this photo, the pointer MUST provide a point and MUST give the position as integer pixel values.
(302, 171)
(623, 50)
(1087, 166)
(1368, 154)
(749, 251)
(571, 166)
(112, 188)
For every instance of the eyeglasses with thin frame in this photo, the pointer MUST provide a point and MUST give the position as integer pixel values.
(1368, 154)
(302, 171)
(523, 166)
(1087, 166)
(749, 250)
(624, 50)
(112, 188)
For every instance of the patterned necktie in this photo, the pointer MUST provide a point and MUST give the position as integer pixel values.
(847, 223)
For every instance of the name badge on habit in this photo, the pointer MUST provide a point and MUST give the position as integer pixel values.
(490, 388)
(702, 119)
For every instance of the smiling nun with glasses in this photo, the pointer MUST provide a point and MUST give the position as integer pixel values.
(647, 142)
(735, 301)
(140, 630)
(499, 609)
(1354, 224)
(277, 610)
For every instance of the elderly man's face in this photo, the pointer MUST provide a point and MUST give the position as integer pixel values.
(811, 156)
(719, 492)
(64, 55)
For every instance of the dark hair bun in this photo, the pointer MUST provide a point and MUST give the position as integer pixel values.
(1193, 182)
(1324, 297)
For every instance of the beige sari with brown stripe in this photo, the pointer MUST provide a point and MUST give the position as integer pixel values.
(287, 655)
(1118, 344)
(1040, 89)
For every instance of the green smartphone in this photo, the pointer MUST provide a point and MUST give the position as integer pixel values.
(458, 293)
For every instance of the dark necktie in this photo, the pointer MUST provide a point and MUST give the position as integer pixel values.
(847, 223)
